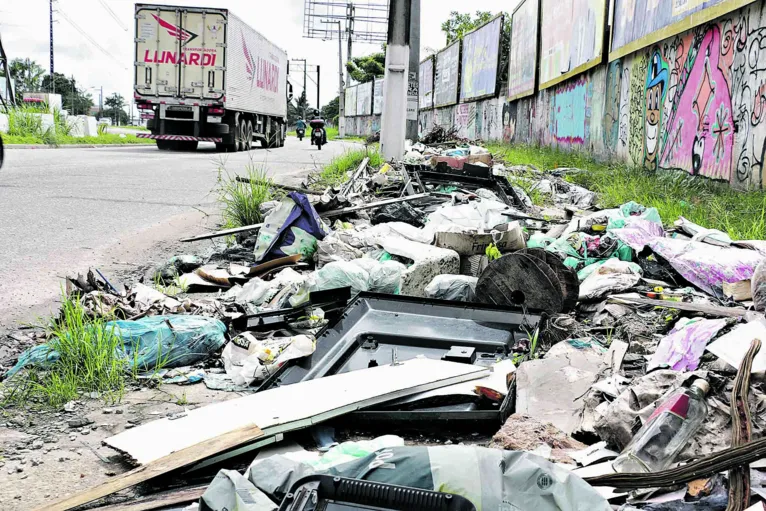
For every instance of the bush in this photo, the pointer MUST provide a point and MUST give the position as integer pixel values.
(242, 201)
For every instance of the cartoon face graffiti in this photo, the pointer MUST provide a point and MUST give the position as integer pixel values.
(656, 82)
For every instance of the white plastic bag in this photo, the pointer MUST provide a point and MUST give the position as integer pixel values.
(247, 358)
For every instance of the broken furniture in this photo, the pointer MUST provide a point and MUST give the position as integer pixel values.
(378, 329)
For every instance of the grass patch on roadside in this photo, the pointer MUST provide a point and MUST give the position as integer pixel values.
(88, 361)
(335, 172)
(106, 139)
(241, 202)
(711, 204)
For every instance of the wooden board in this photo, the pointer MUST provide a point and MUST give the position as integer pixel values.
(291, 407)
(571, 38)
(159, 501)
(167, 463)
(711, 310)
(522, 67)
(642, 23)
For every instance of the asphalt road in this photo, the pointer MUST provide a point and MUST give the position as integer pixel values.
(65, 210)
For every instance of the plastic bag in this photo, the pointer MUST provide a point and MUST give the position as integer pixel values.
(459, 288)
(172, 341)
(292, 228)
(579, 250)
(480, 215)
(247, 359)
(611, 277)
(683, 347)
(758, 286)
(398, 212)
(360, 275)
(625, 214)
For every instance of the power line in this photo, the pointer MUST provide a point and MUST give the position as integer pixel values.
(89, 38)
(113, 15)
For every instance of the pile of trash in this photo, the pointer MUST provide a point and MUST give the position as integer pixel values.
(609, 353)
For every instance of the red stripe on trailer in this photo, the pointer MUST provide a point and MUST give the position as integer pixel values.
(180, 138)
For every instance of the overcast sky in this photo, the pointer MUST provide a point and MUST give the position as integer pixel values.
(24, 31)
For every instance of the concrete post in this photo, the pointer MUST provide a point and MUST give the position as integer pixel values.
(393, 124)
(413, 86)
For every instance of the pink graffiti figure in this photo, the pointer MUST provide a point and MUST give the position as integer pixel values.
(700, 130)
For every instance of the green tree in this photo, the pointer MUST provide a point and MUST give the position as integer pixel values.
(460, 24)
(296, 109)
(115, 102)
(367, 68)
(74, 100)
(331, 110)
(27, 75)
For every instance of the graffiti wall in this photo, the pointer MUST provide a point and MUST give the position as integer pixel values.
(693, 103)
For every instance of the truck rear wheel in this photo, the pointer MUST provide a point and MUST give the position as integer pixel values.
(249, 136)
(164, 145)
(242, 134)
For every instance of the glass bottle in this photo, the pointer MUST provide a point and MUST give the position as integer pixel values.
(667, 431)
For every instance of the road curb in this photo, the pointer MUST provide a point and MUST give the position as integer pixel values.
(72, 146)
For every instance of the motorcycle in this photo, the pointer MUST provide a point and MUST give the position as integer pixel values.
(317, 134)
(301, 133)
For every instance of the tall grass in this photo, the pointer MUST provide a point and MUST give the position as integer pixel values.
(336, 172)
(711, 204)
(241, 202)
(90, 360)
(26, 122)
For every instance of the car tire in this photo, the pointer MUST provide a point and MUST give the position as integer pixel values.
(165, 145)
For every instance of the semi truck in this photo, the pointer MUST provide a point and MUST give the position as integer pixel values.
(204, 75)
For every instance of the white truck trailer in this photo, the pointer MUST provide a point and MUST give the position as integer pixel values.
(202, 74)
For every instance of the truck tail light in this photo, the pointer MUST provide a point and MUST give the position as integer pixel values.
(144, 106)
(215, 111)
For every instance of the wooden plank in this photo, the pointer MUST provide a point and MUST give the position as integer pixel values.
(291, 407)
(158, 501)
(372, 205)
(172, 460)
(711, 310)
(225, 232)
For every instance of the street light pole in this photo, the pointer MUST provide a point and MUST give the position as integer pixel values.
(341, 94)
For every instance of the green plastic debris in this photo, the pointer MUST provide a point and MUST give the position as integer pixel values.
(632, 210)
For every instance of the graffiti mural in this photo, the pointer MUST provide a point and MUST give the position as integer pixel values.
(570, 113)
(637, 119)
(624, 119)
(656, 88)
(612, 105)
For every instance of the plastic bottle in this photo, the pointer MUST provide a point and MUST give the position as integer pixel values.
(667, 431)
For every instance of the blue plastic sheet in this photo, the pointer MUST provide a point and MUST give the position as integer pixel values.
(165, 341)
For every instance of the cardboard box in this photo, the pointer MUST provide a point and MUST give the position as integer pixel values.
(507, 238)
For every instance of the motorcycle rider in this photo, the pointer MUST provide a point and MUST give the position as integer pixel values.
(300, 125)
(318, 122)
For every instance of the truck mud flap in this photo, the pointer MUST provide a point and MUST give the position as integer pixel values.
(180, 138)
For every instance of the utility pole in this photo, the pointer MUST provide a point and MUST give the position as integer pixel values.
(319, 76)
(305, 70)
(341, 92)
(350, 12)
(53, 82)
(413, 88)
(393, 124)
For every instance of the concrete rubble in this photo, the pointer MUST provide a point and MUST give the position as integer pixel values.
(609, 310)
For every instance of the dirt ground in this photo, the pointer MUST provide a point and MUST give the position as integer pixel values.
(48, 455)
